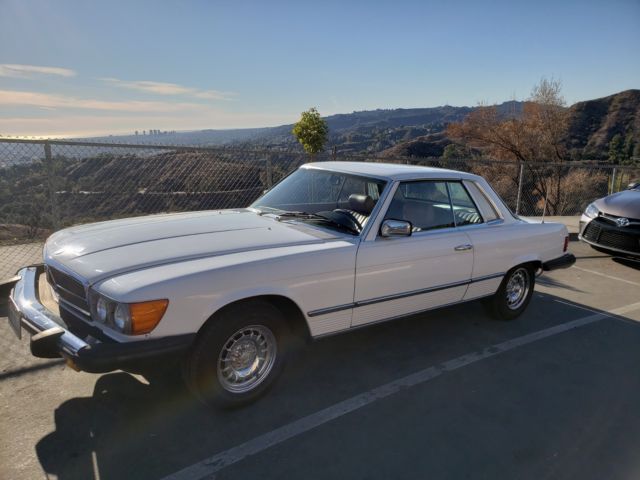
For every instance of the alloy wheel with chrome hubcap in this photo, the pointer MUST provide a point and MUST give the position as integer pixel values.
(238, 354)
(514, 293)
(517, 288)
(247, 358)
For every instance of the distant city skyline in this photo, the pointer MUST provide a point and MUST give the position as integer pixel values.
(73, 68)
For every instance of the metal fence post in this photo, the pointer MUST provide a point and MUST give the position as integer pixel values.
(519, 188)
(613, 181)
(269, 172)
(55, 214)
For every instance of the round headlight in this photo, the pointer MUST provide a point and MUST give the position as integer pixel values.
(591, 211)
(102, 309)
(121, 317)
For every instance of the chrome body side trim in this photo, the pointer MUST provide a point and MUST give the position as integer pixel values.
(386, 298)
(396, 317)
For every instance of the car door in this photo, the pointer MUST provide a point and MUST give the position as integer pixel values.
(496, 244)
(396, 276)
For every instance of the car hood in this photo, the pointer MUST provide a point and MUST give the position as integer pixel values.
(621, 204)
(101, 250)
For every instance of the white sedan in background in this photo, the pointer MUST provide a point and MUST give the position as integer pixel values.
(334, 246)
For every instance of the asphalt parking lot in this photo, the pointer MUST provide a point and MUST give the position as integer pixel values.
(448, 394)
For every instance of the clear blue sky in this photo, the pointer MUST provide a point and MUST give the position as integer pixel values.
(116, 66)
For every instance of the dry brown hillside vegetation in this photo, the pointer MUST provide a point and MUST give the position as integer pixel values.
(108, 186)
(593, 129)
(594, 124)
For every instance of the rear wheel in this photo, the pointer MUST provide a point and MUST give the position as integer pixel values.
(514, 293)
(238, 355)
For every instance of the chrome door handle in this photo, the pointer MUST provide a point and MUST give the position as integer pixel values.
(462, 248)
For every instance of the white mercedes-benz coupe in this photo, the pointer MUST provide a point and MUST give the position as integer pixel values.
(334, 246)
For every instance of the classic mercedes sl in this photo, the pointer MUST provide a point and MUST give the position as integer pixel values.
(334, 246)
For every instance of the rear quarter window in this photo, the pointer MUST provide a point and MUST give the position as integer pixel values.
(486, 207)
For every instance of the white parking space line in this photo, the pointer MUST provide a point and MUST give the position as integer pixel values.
(611, 277)
(209, 466)
(613, 313)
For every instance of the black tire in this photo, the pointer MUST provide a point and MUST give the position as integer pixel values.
(500, 307)
(202, 368)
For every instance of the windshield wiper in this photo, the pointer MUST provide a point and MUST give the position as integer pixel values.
(295, 214)
(316, 216)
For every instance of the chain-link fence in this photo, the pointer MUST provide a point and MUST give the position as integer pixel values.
(48, 185)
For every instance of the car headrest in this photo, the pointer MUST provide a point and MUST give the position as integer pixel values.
(361, 203)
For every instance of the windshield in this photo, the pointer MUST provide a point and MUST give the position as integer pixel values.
(331, 194)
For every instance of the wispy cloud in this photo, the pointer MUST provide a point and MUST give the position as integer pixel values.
(162, 88)
(49, 101)
(29, 71)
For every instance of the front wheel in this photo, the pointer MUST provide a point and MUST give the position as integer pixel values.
(238, 355)
(514, 293)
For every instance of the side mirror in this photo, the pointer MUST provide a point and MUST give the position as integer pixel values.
(633, 186)
(395, 228)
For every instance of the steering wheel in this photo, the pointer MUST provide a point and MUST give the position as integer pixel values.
(351, 218)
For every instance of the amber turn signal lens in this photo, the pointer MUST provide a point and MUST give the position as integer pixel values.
(146, 315)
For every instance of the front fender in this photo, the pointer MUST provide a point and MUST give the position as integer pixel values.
(249, 293)
(312, 277)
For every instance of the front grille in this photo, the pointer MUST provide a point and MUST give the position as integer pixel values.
(612, 219)
(620, 240)
(592, 232)
(68, 288)
(605, 235)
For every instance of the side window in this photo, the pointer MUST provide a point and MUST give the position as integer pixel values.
(361, 185)
(486, 207)
(374, 190)
(352, 185)
(425, 204)
(464, 210)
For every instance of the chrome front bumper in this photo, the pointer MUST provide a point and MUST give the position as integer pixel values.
(46, 326)
(53, 338)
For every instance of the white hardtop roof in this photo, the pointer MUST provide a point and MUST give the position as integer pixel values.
(392, 171)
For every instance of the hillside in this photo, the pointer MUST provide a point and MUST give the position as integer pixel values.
(371, 130)
(420, 131)
(594, 123)
(431, 145)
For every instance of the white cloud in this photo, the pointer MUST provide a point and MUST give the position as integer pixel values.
(28, 71)
(213, 95)
(55, 115)
(162, 88)
(46, 100)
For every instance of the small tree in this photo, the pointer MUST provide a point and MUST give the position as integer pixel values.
(311, 131)
(628, 149)
(616, 149)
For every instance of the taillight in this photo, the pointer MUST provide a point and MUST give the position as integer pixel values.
(566, 243)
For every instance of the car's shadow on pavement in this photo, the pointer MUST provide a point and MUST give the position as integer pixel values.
(552, 282)
(627, 262)
(129, 429)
